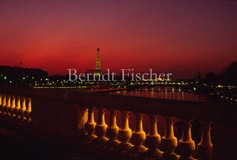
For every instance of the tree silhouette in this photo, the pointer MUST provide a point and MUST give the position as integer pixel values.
(229, 75)
(211, 78)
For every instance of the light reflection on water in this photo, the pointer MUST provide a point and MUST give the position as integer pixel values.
(164, 94)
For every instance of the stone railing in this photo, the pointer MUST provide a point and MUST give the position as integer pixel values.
(123, 127)
(131, 141)
(15, 107)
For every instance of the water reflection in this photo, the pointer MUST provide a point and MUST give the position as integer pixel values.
(166, 93)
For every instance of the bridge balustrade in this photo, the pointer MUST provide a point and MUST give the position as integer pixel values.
(113, 125)
(15, 107)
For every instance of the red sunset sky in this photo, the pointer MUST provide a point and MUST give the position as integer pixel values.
(183, 37)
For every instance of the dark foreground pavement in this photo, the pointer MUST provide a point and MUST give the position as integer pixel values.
(16, 146)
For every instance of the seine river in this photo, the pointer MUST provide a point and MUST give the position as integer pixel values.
(167, 93)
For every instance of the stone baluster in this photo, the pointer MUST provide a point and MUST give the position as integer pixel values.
(17, 108)
(112, 130)
(23, 108)
(8, 106)
(186, 145)
(28, 110)
(90, 125)
(153, 139)
(100, 128)
(169, 141)
(0, 99)
(13, 105)
(125, 133)
(205, 147)
(1, 104)
(4, 104)
(4, 100)
(138, 136)
(8, 101)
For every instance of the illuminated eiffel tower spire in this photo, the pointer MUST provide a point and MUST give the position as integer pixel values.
(97, 67)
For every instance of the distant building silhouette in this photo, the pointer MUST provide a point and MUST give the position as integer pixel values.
(17, 76)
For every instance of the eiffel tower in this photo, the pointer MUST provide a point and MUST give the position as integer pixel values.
(97, 67)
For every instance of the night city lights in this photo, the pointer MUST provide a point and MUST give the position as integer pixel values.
(118, 80)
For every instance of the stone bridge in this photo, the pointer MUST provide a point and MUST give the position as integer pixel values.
(125, 127)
